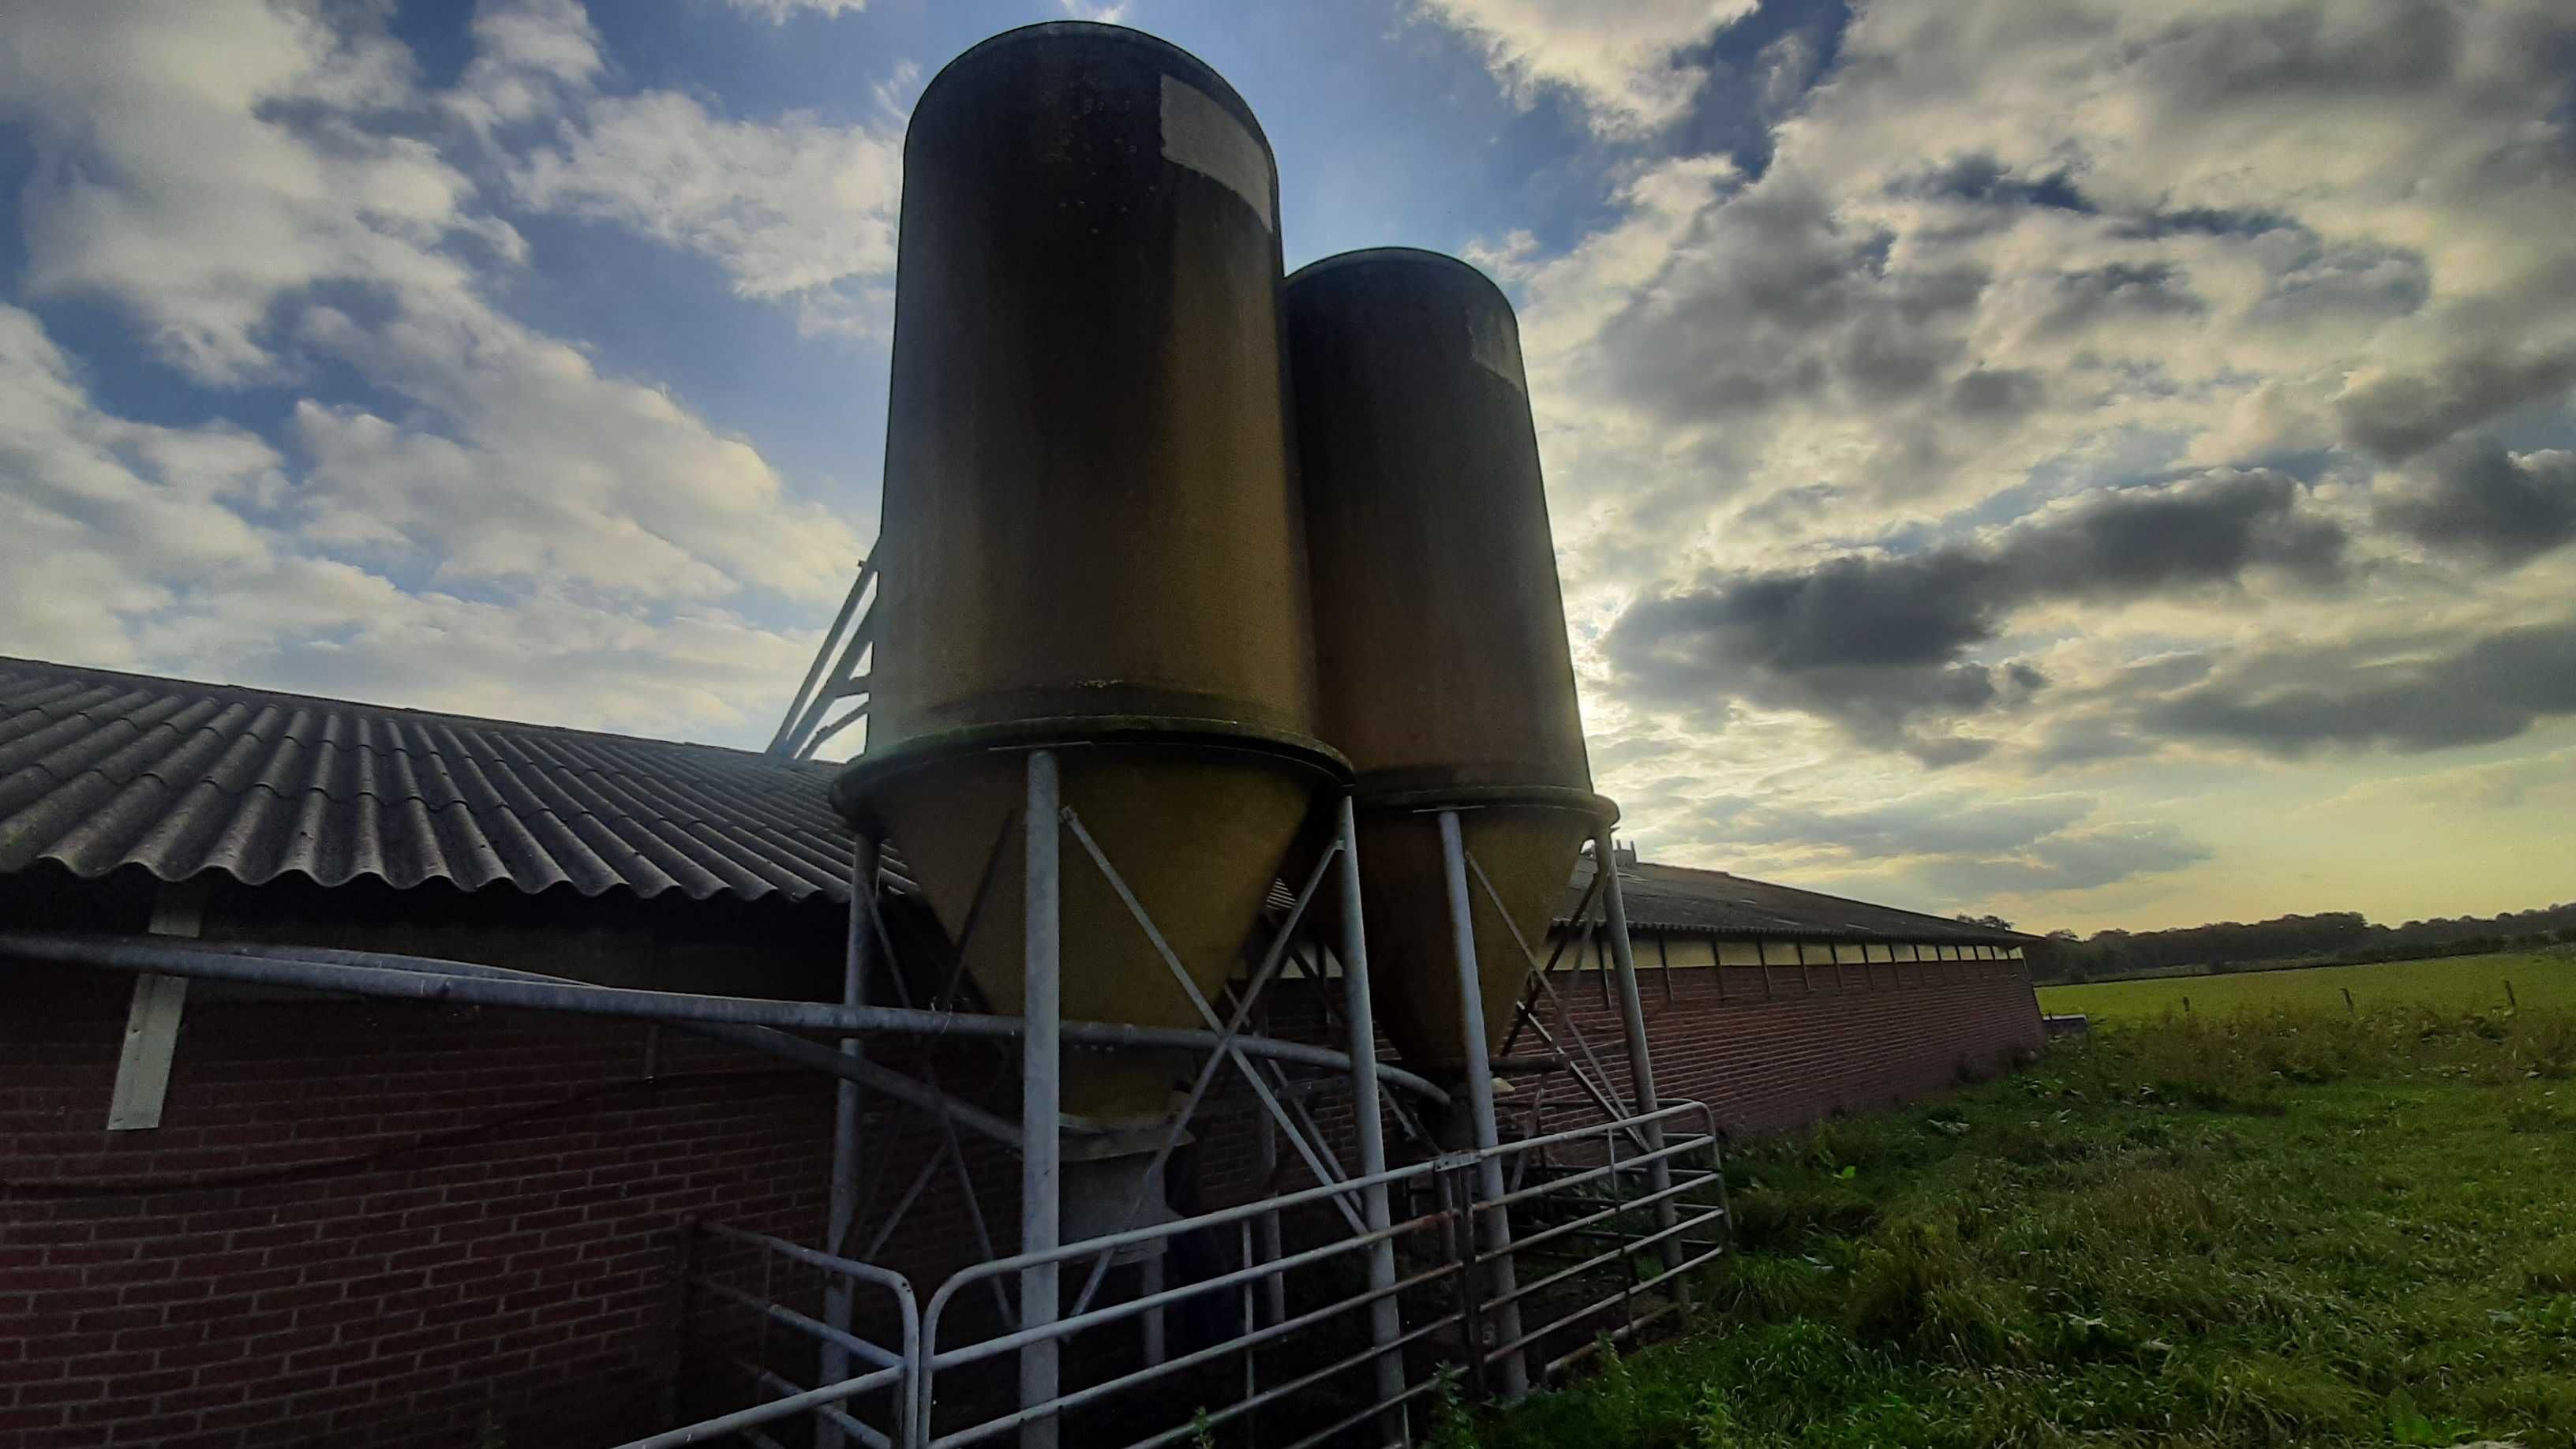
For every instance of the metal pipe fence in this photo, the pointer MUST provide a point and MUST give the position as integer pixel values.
(1311, 1375)
(1427, 1285)
(770, 1344)
(1451, 1303)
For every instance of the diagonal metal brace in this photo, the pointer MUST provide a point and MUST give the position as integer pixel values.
(1270, 962)
(1207, 1014)
(1580, 936)
(1601, 1091)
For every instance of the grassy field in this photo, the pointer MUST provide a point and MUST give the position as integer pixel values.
(2467, 983)
(2283, 1228)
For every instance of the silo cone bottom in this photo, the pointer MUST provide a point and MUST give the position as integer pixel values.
(1196, 832)
(1528, 852)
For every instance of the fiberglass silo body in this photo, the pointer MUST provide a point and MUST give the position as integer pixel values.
(1090, 535)
(1443, 670)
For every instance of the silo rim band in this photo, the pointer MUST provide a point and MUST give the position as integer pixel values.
(1415, 256)
(1599, 808)
(1203, 75)
(859, 779)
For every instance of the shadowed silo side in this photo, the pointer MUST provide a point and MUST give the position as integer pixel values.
(1442, 663)
(1090, 534)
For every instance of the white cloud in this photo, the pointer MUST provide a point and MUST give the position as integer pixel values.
(134, 545)
(170, 186)
(530, 56)
(1988, 265)
(778, 12)
(793, 210)
(288, 215)
(1621, 58)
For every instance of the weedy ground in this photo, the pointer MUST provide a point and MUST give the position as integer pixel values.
(2257, 1229)
(2540, 980)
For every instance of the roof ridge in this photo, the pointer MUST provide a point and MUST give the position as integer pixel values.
(249, 693)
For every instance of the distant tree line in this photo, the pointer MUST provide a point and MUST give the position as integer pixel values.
(2338, 936)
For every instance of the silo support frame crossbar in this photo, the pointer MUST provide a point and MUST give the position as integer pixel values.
(1365, 1209)
(1597, 1085)
(1226, 1034)
(1221, 1054)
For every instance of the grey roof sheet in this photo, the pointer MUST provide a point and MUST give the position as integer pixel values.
(1677, 899)
(100, 770)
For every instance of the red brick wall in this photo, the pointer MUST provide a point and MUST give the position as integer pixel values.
(1824, 1039)
(519, 1268)
(1764, 1057)
(507, 1250)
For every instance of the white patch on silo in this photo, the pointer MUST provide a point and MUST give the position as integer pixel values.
(1205, 137)
(1494, 340)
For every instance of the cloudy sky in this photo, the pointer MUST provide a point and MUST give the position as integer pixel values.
(2110, 464)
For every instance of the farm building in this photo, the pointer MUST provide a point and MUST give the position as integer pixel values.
(236, 1214)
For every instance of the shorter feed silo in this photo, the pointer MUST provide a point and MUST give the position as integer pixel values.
(1442, 666)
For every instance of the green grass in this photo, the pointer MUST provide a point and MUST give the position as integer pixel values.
(2462, 982)
(2255, 1229)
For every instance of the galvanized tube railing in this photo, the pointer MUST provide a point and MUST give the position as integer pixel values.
(923, 1360)
(827, 1416)
(805, 1403)
(412, 978)
(893, 1367)
(1463, 1170)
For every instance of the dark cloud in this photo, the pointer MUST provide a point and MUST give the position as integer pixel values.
(2476, 500)
(1995, 394)
(1959, 847)
(1944, 824)
(1878, 643)
(2347, 278)
(2335, 47)
(2069, 861)
(2152, 289)
(2396, 418)
(2199, 221)
(1979, 179)
(2089, 741)
(1773, 300)
(2145, 539)
(2494, 689)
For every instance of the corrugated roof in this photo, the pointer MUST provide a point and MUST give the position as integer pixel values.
(1678, 899)
(100, 770)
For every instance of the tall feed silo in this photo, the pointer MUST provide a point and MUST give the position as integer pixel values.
(1443, 668)
(1091, 539)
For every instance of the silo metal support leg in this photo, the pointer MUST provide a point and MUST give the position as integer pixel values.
(842, 1209)
(1641, 1055)
(1041, 1105)
(1386, 1323)
(1502, 1280)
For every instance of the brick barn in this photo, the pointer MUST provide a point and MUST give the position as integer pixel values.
(250, 1215)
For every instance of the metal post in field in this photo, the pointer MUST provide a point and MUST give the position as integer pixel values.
(2510, 1003)
(857, 957)
(1385, 1321)
(1480, 1107)
(1041, 1092)
(1641, 1053)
